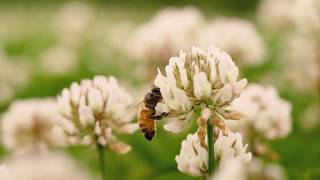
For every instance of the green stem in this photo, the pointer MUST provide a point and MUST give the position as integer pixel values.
(210, 138)
(101, 151)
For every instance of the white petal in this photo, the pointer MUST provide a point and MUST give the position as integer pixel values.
(227, 68)
(95, 100)
(75, 93)
(129, 128)
(213, 71)
(184, 78)
(175, 126)
(182, 99)
(162, 108)
(86, 115)
(202, 87)
(170, 76)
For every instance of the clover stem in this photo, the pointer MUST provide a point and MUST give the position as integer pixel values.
(210, 138)
(101, 152)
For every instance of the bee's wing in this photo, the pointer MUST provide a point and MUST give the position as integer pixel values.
(134, 107)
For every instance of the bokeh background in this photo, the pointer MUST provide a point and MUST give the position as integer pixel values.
(38, 58)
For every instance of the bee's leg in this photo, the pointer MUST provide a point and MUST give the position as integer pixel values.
(159, 117)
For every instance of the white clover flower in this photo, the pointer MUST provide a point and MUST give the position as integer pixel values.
(264, 111)
(255, 169)
(93, 110)
(45, 166)
(300, 61)
(275, 14)
(58, 60)
(198, 79)
(233, 169)
(170, 30)
(230, 34)
(72, 22)
(230, 146)
(306, 16)
(28, 126)
(193, 158)
(3, 172)
(13, 77)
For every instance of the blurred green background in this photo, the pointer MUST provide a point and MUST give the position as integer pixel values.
(25, 31)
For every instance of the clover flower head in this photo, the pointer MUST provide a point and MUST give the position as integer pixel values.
(93, 110)
(301, 61)
(14, 77)
(44, 166)
(233, 169)
(4, 172)
(264, 111)
(193, 158)
(170, 30)
(197, 79)
(229, 35)
(306, 16)
(230, 146)
(58, 60)
(255, 169)
(72, 22)
(275, 15)
(28, 126)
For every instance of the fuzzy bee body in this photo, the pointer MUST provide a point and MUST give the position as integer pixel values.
(146, 113)
(147, 125)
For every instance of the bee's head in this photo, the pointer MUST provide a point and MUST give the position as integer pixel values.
(155, 90)
(153, 97)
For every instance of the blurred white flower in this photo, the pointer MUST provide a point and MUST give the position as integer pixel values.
(230, 34)
(233, 169)
(264, 111)
(255, 169)
(309, 120)
(199, 79)
(230, 146)
(306, 16)
(14, 76)
(275, 14)
(28, 126)
(45, 166)
(72, 22)
(193, 158)
(3, 172)
(170, 30)
(58, 60)
(300, 61)
(115, 34)
(93, 109)
(274, 172)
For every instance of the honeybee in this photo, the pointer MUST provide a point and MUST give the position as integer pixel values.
(146, 113)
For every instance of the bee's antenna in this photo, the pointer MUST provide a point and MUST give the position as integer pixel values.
(133, 107)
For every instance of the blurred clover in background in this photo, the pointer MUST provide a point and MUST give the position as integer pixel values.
(46, 46)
